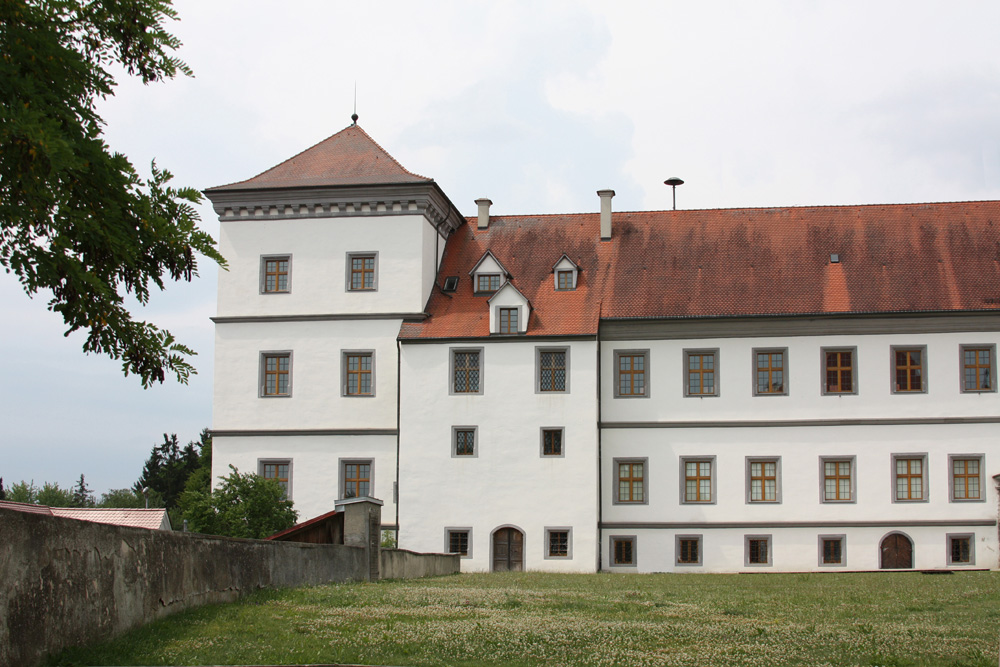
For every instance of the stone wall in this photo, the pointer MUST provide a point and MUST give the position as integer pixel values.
(403, 564)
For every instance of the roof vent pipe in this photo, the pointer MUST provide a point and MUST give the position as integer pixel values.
(605, 196)
(484, 212)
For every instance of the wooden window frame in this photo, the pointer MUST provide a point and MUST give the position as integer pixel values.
(455, 431)
(342, 465)
(839, 369)
(852, 477)
(821, 544)
(616, 490)
(569, 284)
(712, 479)
(679, 550)
(990, 366)
(770, 370)
(980, 476)
(262, 465)
(613, 541)
(508, 320)
(749, 546)
(540, 369)
(909, 476)
(489, 278)
(750, 461)
(950, 549)
(467, 530)
(896, 367)
(264, 274)
(266, 373)
(562, 441)
(452, 368)
(701, 372)
(645, 373)
(550, 533)
(347, 373)
(351, 271)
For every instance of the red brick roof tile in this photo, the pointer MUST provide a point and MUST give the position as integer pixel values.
(900, 258)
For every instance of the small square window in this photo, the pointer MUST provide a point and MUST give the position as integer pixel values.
(487, 282)
(961, 548)
(359, 373)
(832, 550)
(770, 372)
(698, 480)
(508, 320)
(839, 371)
(966, 477)
(564, 280)
(552, 370)
(631, 373)
(275, 374)
(688, 549)
(764, 480)
(450, 284)
(279, 470)
(466, 371)
(838, 480)
(908, 370)
(702, 372)
(275, 274)
(979, 367)
(623, 552)
(464, 441)
(356, 478)
(362, 272)
(559, 543)
(758, 550)
(630, 480)
(458, 541)
(552, 442)
(909, 477)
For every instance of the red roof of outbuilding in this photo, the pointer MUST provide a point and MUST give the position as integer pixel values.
(350, 157)
(898, 258)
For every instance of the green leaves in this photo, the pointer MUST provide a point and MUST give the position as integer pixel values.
(76, 219)
(244, 505)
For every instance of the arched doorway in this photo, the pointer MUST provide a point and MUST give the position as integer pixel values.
(896, 552)
(508, 550)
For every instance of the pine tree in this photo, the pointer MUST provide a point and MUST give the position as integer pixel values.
(3, 494)
(167, 469)
(82, 496)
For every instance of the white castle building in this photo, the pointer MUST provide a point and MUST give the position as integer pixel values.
(783, 389)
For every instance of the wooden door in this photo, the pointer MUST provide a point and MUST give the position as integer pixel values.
(896, 552)
(508, 550)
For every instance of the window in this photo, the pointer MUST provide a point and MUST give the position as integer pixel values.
(832, 550)
(508, 320)
(910, 473)
(464, 441)
(966, 477)
(359, 370)
(450, 284)
(623, 551)
(552, 370)
(281, 471)
(275, 274)
(276, 374)
(688, 549)
(978, 368)
(357, 477)
(908, 368)
(762, 480)
(961, 548)
(465, 371)
(458, 541)
(702, 373)
(698, 483)
(631, 373)
(630, 478)
(564, 280)
(769, 371)
(552, 441)
(362, 272)
(487, 282)
(838, 480)
(559, 543)
(839, 371)
(758, 550)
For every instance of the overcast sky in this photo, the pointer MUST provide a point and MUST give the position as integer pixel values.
(534, 104)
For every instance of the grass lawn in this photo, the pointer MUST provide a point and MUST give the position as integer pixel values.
(604, 619)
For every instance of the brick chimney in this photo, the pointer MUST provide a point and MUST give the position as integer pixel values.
(484, 212)
(605, 196)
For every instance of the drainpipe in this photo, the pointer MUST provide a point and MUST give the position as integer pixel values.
(600, 461)
(996, 483)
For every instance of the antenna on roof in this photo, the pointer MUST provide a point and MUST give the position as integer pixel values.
(673, 182)
(354, 116)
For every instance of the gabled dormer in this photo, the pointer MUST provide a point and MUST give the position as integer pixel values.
(509, 311)
(488, 275)
(565, 273)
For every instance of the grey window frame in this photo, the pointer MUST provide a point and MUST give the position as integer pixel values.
(351, 256)
(448, 530)
(716, 371)
(892, 369)
(972, 549)
(562, 442)
(611, 551)
(541, 349)
(454, 442)
(648, 374)
(753, 369)
(777, 479)
(961, 367)
(569, 543)
(264, 259)
(518, 329)
(843, 550)
(854, 479)
(677, 550)
(343, 373)
(572, 278)
(342, 475)
(982, 478)
(684, 460)
(746, 550)
(854, 369)
(261, 376)
(277, 461)
(925, 477)
(452, 351)
(645, 480)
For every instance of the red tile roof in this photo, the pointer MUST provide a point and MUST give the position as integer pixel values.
(153, 519)
(899, 258)
(350, 157)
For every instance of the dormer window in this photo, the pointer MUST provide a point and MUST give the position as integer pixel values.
(487, 282)
(509, 311)
(488, 275)
(564, 280)
(508, 320)
(565, 272)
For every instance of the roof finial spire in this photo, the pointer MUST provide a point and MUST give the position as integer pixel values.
(354, 116)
